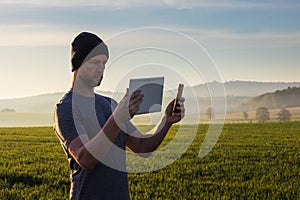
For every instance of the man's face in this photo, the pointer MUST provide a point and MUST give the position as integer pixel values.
(91, 72)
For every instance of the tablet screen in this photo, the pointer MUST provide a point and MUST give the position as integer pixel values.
(152, 89)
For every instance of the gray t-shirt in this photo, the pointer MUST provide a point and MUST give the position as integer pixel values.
(75, 115)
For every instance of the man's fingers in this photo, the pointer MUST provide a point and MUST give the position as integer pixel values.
(134, 102)
(137, 100)
(179, 108)
(135, 105)
(179, 114)
(136, 97)
(135, 94)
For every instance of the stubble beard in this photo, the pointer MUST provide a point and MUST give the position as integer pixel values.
(99, 82)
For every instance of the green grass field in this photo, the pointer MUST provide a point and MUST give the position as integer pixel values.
(250, 161)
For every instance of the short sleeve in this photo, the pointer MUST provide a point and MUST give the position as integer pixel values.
(65, 127)
(128, 127)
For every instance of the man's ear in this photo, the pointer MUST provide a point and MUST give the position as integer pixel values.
(75, 72)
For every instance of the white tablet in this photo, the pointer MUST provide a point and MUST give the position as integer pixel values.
(152, 89)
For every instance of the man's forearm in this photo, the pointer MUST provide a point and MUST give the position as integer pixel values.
(151, 143)
(101, 143)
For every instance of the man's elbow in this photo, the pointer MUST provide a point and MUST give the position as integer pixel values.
(145, 153)
(86, 160)
(87, 166)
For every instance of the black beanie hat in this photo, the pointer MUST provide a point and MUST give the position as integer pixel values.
(85, 46)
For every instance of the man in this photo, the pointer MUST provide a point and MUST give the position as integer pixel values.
(91, 127)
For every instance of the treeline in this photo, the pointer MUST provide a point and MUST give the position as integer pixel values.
(288, 98)
(263, 114)
(8, 110)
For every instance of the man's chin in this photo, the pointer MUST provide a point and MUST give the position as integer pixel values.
(99, 82)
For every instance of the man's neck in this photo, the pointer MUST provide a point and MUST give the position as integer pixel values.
(83, 92)
(79, 87)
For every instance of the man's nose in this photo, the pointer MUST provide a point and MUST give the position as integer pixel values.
(101, 67)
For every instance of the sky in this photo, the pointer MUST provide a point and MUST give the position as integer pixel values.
(192, 41)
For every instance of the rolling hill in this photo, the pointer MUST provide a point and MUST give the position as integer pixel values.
(237, 92)
(289, 97)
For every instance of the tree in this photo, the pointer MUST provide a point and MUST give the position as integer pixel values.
(8, 110)
(284, 115)
(245, 115)
(210, 113)
(262, 114)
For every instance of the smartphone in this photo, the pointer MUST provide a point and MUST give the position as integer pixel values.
(180, 90)
(179, 95)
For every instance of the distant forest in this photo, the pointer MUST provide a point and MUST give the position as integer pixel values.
(289, 97)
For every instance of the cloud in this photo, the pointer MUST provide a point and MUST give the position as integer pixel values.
(61, 35)
(179, 4)
(76, 3)
(34, 35)
(230, 4)
(227, 39)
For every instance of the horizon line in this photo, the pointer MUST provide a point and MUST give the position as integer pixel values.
(108, 91)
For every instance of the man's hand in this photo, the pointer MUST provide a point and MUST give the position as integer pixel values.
(175, 113)
(128, 107)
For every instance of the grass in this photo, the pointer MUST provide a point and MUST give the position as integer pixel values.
(249, 161)
(33, 165)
